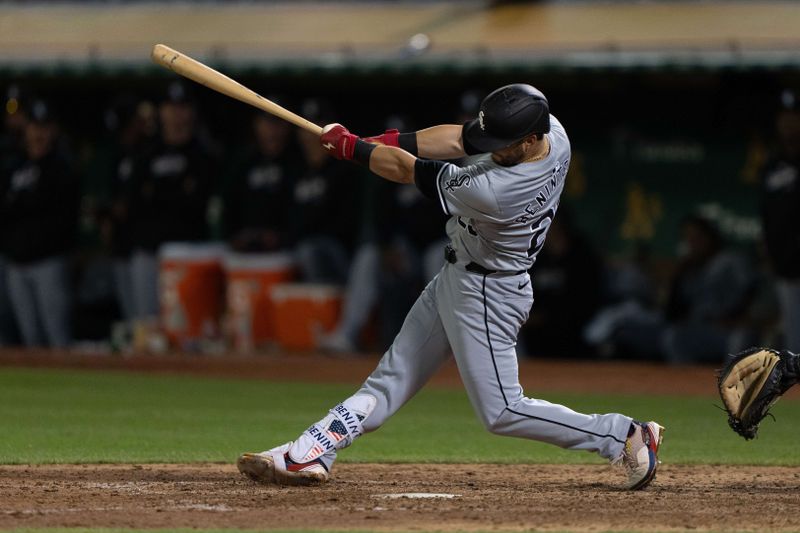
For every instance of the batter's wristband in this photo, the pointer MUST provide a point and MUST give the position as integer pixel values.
(362, 152)
(408, 142)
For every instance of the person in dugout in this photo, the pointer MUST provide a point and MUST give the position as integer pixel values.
(38, 214)
(169, 193)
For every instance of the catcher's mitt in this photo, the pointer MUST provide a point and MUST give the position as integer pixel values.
(751, 382)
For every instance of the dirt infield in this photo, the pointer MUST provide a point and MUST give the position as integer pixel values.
(480, 497)
(476, 497)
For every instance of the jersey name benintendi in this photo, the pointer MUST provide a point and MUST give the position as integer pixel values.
(500, 215)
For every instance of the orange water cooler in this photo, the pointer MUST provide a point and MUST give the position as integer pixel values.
(303, 312)
(191, 294)
(250, 314)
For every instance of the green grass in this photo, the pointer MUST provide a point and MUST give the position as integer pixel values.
(49, 416)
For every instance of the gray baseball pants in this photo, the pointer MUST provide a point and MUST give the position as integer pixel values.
(479, 316)
(40, 298)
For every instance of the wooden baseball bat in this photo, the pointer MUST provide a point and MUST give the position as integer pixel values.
(205, 75)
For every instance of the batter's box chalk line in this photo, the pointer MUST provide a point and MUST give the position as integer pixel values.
(417, 495)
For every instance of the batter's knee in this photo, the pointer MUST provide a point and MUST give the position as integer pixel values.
(493, 422)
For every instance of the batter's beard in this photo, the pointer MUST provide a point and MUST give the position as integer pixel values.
(509, 156)
(507, 160)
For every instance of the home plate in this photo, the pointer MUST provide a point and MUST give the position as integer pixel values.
(417, 495)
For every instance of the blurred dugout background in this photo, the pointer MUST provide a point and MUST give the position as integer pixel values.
(140, 213)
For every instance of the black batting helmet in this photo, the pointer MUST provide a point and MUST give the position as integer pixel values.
(508, 115)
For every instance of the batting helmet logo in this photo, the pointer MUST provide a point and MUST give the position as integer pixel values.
(508, 115)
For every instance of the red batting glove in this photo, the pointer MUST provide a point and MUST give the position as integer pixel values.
(338, 141)
(389, 138)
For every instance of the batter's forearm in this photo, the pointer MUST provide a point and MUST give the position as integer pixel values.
(440, 142)
(393, 164)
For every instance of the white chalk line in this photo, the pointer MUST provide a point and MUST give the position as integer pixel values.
(417, 495)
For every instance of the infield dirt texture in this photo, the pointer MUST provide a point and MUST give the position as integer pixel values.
(484, 497)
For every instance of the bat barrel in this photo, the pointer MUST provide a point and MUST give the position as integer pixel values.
(205, 75)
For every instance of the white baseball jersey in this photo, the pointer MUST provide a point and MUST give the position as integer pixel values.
(501, 215)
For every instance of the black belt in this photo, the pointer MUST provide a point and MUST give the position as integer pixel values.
(472, 266)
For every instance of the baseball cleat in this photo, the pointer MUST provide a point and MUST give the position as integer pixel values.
(275, 467)
(639, 457)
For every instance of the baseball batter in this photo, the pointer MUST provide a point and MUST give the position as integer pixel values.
(500, 205)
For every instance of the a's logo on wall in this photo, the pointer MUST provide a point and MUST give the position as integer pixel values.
(643, 211)
(461, 181)
(480, 121)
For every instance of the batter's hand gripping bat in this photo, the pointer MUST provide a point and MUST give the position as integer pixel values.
(205, 75)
